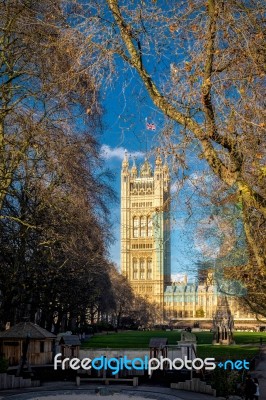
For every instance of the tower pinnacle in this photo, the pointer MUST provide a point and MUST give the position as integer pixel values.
(125, 163)
(134, 170)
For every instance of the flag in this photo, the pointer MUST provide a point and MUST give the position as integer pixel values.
(150, 126)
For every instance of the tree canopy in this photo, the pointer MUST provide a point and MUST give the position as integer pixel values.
(53, 225)
(203, 66)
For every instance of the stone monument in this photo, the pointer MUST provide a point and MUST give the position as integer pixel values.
(188, 344)
(223, 323)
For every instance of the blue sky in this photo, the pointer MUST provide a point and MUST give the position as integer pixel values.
(126, 108)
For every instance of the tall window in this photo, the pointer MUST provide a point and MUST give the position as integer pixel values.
(149, 268)
(135, 268)
(149, 232)
(135, 227)
(142, 268)
(142, 226)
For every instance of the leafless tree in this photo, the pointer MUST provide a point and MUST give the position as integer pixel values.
(122, 295)
(53, 223)
(44, 89)
(203, 66)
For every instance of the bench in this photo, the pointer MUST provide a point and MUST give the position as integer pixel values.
(106, 381)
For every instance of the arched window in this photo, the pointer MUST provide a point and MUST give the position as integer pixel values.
(135, 268)
(149, 268)
(142, 268)
(149, 224)
(142, 226)
(135, 227)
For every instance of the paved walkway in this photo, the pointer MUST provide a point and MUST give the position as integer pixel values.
(67, 391)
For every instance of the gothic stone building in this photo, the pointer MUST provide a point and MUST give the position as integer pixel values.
(145, 247)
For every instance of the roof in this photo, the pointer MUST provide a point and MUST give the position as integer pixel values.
(158, 342)
(70, 340)
(24, 329)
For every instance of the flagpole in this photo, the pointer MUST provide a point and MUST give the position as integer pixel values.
(146, 144)
(146, 138)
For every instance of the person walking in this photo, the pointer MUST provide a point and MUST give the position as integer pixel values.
(257, 393)
(250, 388)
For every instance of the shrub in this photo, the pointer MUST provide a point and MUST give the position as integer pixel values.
(225, 382)
(3, 365)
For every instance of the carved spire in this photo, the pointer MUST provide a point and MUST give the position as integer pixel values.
(134, 170)
(146, 170)
(125, 162)
(158, 161)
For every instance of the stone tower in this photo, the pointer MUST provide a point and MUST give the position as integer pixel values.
(145, 228)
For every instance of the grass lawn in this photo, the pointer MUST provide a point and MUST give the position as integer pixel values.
(140, 340)
(234, 352)
(130, 339)
(249, 337)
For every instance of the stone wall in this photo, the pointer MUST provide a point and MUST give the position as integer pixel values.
(173, 352)
(194, 385)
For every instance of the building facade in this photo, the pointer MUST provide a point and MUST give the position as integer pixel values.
(145, 228)
(191, 301)
(145, 248)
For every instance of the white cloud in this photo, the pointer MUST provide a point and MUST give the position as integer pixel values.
(108, 152)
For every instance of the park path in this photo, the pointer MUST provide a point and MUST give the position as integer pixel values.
(260, 373)
(68, 390)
